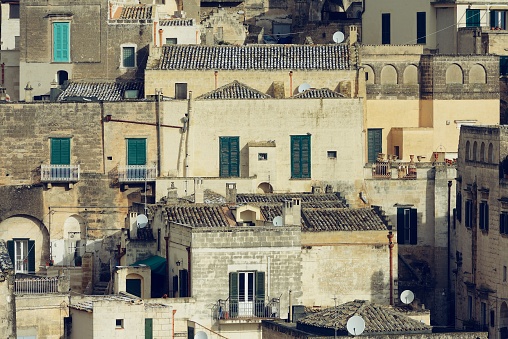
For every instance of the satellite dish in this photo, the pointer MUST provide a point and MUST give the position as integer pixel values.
(201, 335)
(240, 12)
(338, 37)
(407, 297)
(303, 87)
(277, 221)
(141, 221)
(355, 325)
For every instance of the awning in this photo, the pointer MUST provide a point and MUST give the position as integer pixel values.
(156, 263)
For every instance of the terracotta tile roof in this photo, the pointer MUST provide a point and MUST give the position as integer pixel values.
(235, 90)
(101, 91)
(379, 319)
(255, 57)
(5, 260)
(342, 219)
(281, 197)
(136, 12)
(198, 215)
(176, 22)
(87, 303)
(313, 93)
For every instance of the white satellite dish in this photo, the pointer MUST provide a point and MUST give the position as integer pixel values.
(201, 335)
(277, 221)
(338, 37)
(407, 297)
(355, 325)
(303, 87)
(141, 221)
(241, 12)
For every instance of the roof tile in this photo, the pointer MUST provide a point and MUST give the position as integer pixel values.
(318, 93)
(102, 91)
(136, 12)
(235, 90)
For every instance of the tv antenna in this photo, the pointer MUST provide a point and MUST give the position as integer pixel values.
(407, 297)
(355, 325)
(277, 221)
(338, 37)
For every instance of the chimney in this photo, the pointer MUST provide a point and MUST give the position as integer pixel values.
(316, 189)
(231, 193)
(161, 31)
(209, 38)
(28, 92)
(292, 212)
(353, 34)
(199, 196)
(172, 191)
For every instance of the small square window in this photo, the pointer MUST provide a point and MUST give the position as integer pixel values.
(13, 11)
(181, 91)
(262, 156)
(119, 323)
(331, 154)
(171, 41)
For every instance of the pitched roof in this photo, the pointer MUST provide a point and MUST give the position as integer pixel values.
(314, 93)
(281, 197)
(199, 215)
(379, 319)
(101, 91)
(235, 90)
(342, 219)
(255, 57)
(87, 303)
(5, 260)
(174, 22)
(136, 12)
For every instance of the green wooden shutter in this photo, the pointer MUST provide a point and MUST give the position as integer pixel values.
(305, 156)
(31, 256)
(136, 151)
(300, 156)
(10, 249)
(374, 142)
(260, 286)
(61, 43)
(184, 286)
(148, 328)
(295, 157)
(229, 156)
(60, 151)
(413, 234)
(233, 294)
(129, 54)
(472, 18)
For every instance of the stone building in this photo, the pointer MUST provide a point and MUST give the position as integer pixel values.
(9, 49)
(480, 230)
(8, 313)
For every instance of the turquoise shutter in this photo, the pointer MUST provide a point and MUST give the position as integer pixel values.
(229, 156)
(148, 328)
(260, 286)
(374, 142)
(305, 156)
(136, 151)
(295, 157)
(31, 256)
(61, 43)
(400, 225)
(233, 294)
(472, 18)
(60, 151)
(300, 156)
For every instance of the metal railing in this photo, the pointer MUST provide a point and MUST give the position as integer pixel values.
(39, 285)
(59, 173)
(137, 173)
(234, 309)
(381, 170)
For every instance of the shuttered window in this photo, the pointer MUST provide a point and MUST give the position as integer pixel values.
(421, 27)
(484, 216)
(503, 223)
(300, 156)
(472, 18)
(407, 226)
(458, 206)
(128, 57)
(468, 213)
(60, 151)
(136, 151)
(229, 156)
(22, 254)
(375, 143)
(61, 42)
(241, 293)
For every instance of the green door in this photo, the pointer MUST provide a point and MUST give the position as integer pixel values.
(136, 151)
(374, 142)
(148, 328)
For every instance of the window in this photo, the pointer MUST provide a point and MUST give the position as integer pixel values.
(483, 314)
(484, 216)
(183, 276)
(300, 156)
(61, 42)
(246, 293)
(374, 143)
(332, 154)
(13, 11)
(171, 41)
(469, 307)
(421, 27)
(119, 323)
(468, 213)
(492, 318)
(503, 223)
(472, 18)
(385, 28)
(504, 273)
(458, 205)
(60, 151)
(406, 225)
(262, 156)
(229, 156)
(498, 19)
(22, 254)
(129, 57)
(136, 151)
(181, 91)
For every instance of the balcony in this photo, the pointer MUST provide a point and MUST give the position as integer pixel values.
(36, 285)
(59, 173)
(383, 170)
(137, 173)
(234, 311)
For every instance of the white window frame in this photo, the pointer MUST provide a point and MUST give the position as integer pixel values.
(127, 45)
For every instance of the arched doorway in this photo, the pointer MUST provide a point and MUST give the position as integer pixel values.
(265, 187)
(62, 77)
(73, 240)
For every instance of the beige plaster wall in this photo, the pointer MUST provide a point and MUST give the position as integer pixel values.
(106, 312)
(82, 324)
(142, 273)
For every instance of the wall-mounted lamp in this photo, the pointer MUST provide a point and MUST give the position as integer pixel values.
(178, 262)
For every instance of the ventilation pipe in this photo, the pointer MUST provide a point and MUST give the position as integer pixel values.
(390, 246)
(290, 83)
(216, 77)
(155, 33)
(160, 37)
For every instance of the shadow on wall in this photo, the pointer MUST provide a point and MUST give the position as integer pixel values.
(379, 288)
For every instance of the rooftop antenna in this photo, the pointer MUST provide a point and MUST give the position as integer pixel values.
(355, 325)
(338, 37)
(407, 297)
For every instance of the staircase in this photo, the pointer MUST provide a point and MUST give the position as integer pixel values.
(100, 288)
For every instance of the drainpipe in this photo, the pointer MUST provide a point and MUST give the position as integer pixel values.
(160, 36)
(390, 246)
(158, 122)
(216, 75)
(173, 325)
(290, 308)
(155, 34)
(189, 271)
(3, 73)
(449, 250)
(290, 83)
(186, 150)
(166, 288)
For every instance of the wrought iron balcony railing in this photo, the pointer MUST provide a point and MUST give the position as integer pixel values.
(59, 173)
(137, 173)
(235, 309)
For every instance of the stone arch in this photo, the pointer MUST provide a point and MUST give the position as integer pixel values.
(477, 75)
(410, 76)
(475, 151)
(74, 235)
(131, 284)
(370, 76)
(503, 315)
(265, 187)
(468, 150)
(389, 75)
(454, 74)
(482, 152)
(490, 156)
(62, 77)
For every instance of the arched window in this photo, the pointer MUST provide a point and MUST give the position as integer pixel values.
(62, 76)
(370, 77)
(482, 152)
(491, 154)
(388, 75)
(410, 75)
(477, 75)
(454, 75)
(475, 150)
(468, 150)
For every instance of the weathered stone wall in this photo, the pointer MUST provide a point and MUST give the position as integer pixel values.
(7, 305)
